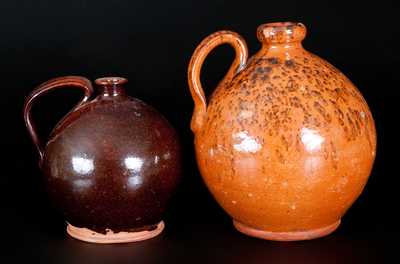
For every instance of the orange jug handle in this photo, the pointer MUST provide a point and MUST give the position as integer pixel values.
(72, 81)
(196, 62)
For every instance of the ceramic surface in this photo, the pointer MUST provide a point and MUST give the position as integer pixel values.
(286, 142)
(112, 163)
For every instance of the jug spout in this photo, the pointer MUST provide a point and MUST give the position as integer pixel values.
(111, 86)
(281, 33)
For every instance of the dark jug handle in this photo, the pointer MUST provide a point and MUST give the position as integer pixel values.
(72, 81)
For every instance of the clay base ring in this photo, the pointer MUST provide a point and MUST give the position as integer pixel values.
(110, 237)
(286, 236)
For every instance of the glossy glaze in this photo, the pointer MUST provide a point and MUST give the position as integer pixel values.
(286, 142)
(112, 163)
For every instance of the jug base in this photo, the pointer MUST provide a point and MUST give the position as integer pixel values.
(286, 236)
(110, 237)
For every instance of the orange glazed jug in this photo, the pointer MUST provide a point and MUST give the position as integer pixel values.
(286, 142)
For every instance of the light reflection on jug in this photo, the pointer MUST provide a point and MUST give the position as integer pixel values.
(245, 142)
(134, 165)
(82, 165)
(311, 139)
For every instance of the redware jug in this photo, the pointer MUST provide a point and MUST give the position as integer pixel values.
(286, 142)
(104, 165)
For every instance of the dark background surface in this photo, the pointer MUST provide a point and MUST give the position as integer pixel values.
(150, 43)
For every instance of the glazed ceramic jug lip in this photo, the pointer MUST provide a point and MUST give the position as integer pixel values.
(111, 86)
(110, 81)
(281, 32)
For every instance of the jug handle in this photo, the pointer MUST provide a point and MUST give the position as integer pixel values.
(73, 81)
(196, 62)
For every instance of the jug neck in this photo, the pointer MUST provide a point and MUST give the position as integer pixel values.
(281, 35)
(110, 87)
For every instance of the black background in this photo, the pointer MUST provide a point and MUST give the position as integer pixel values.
(150, 43)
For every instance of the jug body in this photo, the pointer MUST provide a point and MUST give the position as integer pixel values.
(105, 168)
(285, 144)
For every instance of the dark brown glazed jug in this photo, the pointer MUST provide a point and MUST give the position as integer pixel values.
(286, 142)
(110, 165)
